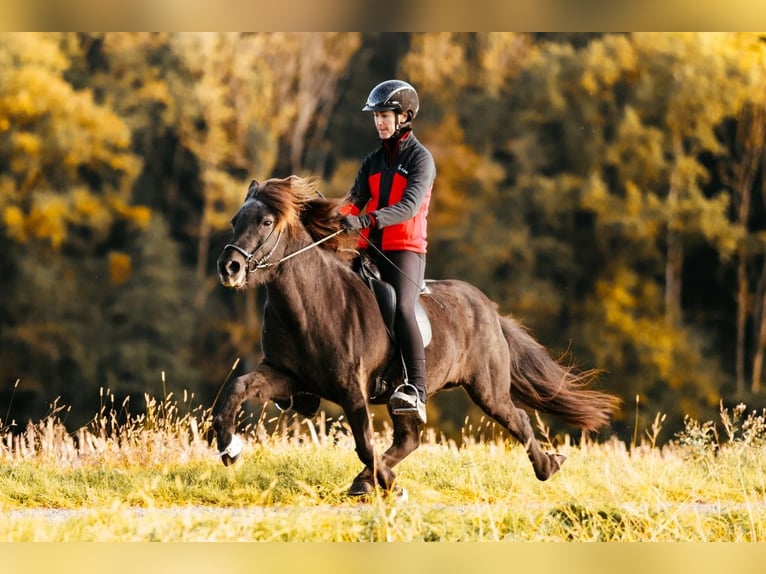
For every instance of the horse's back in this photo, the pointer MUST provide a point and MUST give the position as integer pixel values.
(467, 335)
(457, 299)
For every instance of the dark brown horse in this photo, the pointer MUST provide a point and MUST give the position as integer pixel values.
(322, 336)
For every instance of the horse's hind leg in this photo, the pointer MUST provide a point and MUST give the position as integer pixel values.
(517, 422)
(406, 440)
(264, 383)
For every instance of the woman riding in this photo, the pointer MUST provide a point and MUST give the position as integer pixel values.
(388, 206)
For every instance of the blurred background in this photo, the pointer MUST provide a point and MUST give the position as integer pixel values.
(607, 190)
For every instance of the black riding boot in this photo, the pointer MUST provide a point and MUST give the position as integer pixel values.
(410, 398)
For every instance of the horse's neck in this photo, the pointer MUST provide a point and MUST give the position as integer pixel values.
(315, 307)
(306, 284)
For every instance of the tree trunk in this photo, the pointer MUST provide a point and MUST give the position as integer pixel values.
(743, 297)
(755, 386)
(673, 267)
(745, 160)
(759, 151)
(675, 250)
(750, 132)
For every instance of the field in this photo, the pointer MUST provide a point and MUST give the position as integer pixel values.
(155, 477)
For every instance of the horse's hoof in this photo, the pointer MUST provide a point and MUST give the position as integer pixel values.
(360, 487)
(228, 460)
(231, 453)
(557, 460)
(544, 472)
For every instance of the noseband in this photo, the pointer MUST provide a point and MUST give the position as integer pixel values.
(252, 263)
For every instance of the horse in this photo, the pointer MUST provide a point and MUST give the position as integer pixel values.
(323, 336)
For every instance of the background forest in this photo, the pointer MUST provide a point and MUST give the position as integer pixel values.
(606, 189)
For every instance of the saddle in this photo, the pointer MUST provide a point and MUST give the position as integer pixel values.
(385, 295)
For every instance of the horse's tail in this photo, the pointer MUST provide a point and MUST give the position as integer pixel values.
(542, 383)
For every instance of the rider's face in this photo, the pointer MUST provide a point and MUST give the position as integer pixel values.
(385, 123)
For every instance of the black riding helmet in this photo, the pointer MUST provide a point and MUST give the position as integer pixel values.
(394, 95)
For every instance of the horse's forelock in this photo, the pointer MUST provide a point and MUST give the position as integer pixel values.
(287, 197)
(297, 203)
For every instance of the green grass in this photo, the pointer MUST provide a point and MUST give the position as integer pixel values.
(156, 477)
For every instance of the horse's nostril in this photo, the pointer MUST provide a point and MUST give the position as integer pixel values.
(232, 267)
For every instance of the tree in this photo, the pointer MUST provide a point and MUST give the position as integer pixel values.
(65, 194)
(147, 327)
(623, 126)
(67, 169)
(209, 113)
(605, 188)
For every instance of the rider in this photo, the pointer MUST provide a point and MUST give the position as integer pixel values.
(393, 188)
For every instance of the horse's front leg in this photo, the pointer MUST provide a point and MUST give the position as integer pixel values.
(375, 469)
(262, 384)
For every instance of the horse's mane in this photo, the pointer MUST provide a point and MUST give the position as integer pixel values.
(299, 205)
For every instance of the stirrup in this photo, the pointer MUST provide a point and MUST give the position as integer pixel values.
(408, 403)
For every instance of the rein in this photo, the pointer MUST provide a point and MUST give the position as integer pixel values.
(264, 262)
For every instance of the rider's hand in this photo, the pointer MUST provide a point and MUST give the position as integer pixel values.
(349, 222)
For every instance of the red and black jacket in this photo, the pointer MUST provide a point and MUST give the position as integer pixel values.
(394, 187)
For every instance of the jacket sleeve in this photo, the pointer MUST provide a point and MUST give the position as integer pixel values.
(420, 178)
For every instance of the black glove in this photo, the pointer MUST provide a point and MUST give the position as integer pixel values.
(349, 222)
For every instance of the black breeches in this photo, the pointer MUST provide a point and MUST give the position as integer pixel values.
(405, 271)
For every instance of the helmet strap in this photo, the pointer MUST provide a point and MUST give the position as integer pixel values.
(400, 132)
(399, 126)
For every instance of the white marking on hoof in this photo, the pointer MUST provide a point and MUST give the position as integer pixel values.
(235, 447)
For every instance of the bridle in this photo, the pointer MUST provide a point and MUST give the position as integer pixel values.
(250, 257)
(264, 262)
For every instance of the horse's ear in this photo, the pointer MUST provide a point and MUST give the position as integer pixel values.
(252, 188)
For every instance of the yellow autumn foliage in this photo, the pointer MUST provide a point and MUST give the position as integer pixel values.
(13, 221)
(120, 267)
(56, 134)
(48, 220)
(630, 308)
(139, 215)
(26, 143)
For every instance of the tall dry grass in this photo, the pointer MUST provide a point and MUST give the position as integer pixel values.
(155, 475)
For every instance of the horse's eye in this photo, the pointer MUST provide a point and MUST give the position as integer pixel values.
(268, 222)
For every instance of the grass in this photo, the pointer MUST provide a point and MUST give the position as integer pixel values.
(156, 476)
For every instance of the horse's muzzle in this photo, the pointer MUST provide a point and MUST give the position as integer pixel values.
(231, 272)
